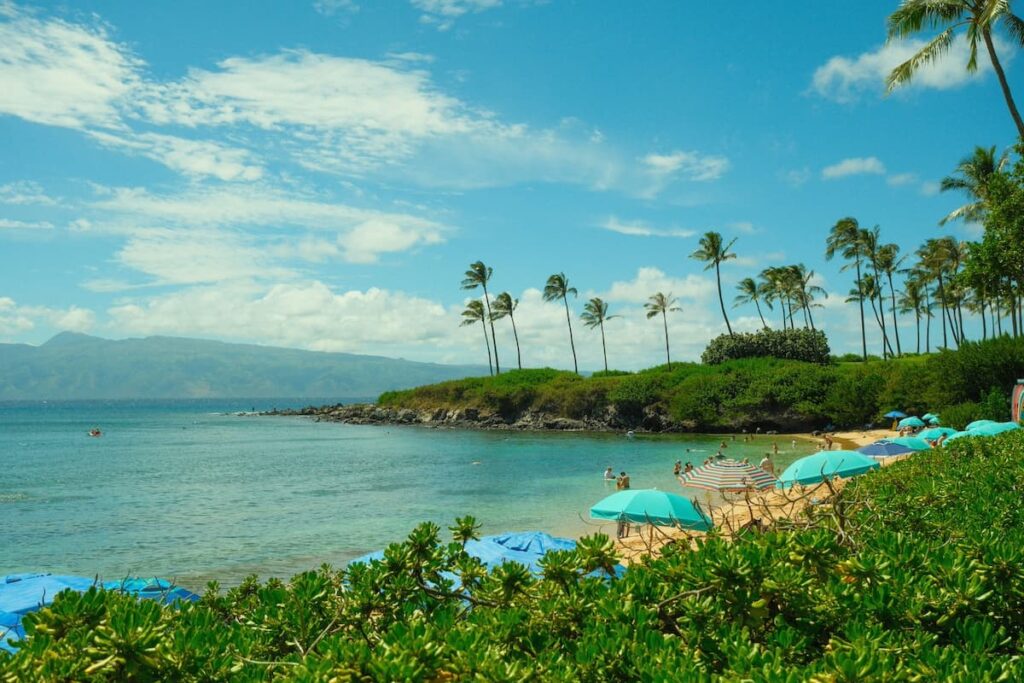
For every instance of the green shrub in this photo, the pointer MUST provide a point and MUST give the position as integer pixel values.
(962, 414)
(810, 346)
(914, 573)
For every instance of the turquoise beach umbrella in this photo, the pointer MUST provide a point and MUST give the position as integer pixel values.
(961, 435)
(934, 421)
(914, 443)
(978, 423)
(928, 416)
(651, 506)
(911, 422)
(996, 428)
(815, 468)
(935, 433)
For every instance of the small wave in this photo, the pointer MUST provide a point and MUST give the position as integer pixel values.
(13, 497)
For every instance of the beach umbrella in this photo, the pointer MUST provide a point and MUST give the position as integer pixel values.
(24, 593)
(914, 443)
(995, 428)
(912, 422)
(728, 475)
(935, 433)
(978, 423)
(815, 468)
(895, 415)
(651, 506)
(961, 435)
(928, 416)
(934, 421)
(884, 449)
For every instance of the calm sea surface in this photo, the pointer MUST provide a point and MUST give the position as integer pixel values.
(183, 490)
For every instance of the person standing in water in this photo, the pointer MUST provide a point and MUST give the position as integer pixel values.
(678, 468)
(609, 474)
(623, 482)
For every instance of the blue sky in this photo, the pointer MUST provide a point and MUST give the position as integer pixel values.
(318, 175)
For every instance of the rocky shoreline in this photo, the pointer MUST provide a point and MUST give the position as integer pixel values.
(472, 418)
(650, 421)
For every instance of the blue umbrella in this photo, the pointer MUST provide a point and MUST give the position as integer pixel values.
(24, 593)
(961, 435)
(815, 468)
(928, 416)
(935, 433)
(912, 422)
(885, 448)
(996, 428)
(894, 414)
(651, 506)
(914, 443)
(978, 423)
(934, 421)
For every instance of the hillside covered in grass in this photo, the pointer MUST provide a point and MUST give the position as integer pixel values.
(972, 382)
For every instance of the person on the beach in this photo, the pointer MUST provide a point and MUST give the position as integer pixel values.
(688, 468)
(623, 483)
(794, 443)
(767, 465)
(609, 474)
(775, 448)
(828, 442)
(677, 468)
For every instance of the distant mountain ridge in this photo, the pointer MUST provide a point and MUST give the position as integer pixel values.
(78, 366)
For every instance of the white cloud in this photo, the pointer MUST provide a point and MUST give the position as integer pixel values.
(795, 177)
(691, 165)
(642, 229)
(853, 166)
(901, 179)
(189, 157)
(443, 13)
(25, 192)
(649, 280)
(17, 319)
(746, 227)
(62, 74)
(844, 79)
(9, 224)
(329, 8)
(930, 188)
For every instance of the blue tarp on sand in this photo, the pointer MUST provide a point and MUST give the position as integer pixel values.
(526, 548)
(24, 593)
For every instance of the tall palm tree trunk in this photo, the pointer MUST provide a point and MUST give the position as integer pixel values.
(997, 323)
(721, 301)
(879, 321)
(515, 333)
(810, 316)
(942, 309)
(490, 363)
(927, 321)
(758, 304)
(604, 349)
(917, 324)
(494, 338)
(668, 358)
(881, 314)
(572, 344)
(863, 330)
(895, 327)
(998, 67)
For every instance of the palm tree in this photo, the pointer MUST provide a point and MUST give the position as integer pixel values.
(751, 291)
(474, 314)
(872, 251)
(844, 239)
(805, 291)
(505, 305)
(557, 287)
(867, 288)
(479, 275)
(889, 261)
(662, 305)
(713, 253)
(974, 175)
(977, 17)
(595, 313)
(912, 300)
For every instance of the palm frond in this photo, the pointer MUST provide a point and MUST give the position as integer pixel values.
(931, 52)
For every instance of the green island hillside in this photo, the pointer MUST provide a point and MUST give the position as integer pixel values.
(912, 573)
(962, 385)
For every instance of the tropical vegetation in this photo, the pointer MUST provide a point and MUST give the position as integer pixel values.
(912, 573)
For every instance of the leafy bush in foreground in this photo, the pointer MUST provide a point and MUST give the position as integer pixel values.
(913, 573)
(810, 346)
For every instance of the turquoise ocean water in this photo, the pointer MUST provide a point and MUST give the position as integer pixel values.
(181, 489)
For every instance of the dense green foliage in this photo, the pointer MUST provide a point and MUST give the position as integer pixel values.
(807, 345)
(913, 573)
(750, 393)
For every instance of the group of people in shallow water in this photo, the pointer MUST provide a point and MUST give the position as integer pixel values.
(621, 482)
